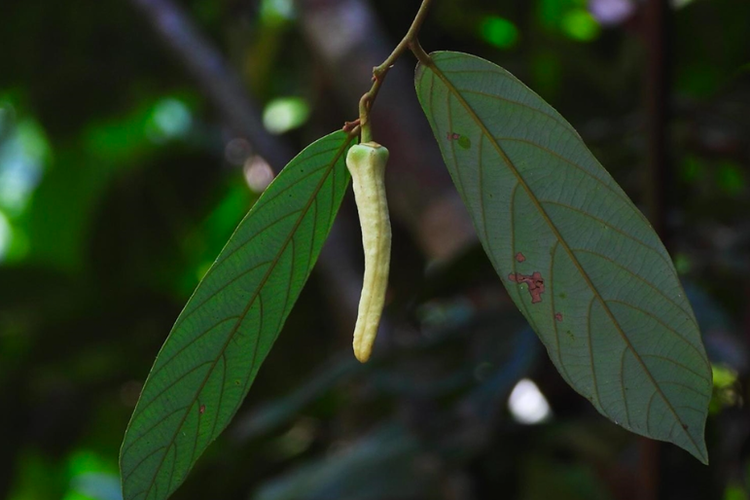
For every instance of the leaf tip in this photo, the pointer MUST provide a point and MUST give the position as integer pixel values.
(701, 453)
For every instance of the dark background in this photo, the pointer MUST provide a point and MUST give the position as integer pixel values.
(134, 135)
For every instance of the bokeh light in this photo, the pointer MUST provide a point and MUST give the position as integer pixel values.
(5, 235)
(258, 174)
(170, 119)
(580, 25)
(285, 114)
(498, 32)
(527, 404)
(22, 159)
(276, 11)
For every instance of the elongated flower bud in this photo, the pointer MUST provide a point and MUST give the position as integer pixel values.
(366, 162)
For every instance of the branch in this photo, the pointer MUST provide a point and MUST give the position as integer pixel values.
(220, 83)
(379, 73)
(345, 37)
(659, 181)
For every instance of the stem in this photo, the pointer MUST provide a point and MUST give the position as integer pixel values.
(419, 53)
(379, 72)
(410, 36)
(659, 181)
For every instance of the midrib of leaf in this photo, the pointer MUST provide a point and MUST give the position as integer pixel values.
(197, 308)
(486, 133)
(240, 319)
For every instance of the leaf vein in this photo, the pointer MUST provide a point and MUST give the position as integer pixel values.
(662, 323)
(255, 297)
(511, 166)
(555, 119)
(644, 280)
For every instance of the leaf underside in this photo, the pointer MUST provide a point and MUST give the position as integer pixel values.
(577, 257)
(211, 357)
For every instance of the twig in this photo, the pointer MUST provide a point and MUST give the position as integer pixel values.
(657, 84)
(379, 72)
(656, 28)
(221, 84)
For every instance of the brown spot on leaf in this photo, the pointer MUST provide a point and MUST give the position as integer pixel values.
(452, 136)
(520, 257)
(202, 409)
(534, 282)
(558, 316)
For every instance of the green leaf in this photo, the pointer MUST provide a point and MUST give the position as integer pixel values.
(206, 366)
(577, 257)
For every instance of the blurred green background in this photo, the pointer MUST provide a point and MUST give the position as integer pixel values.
(135, 134)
